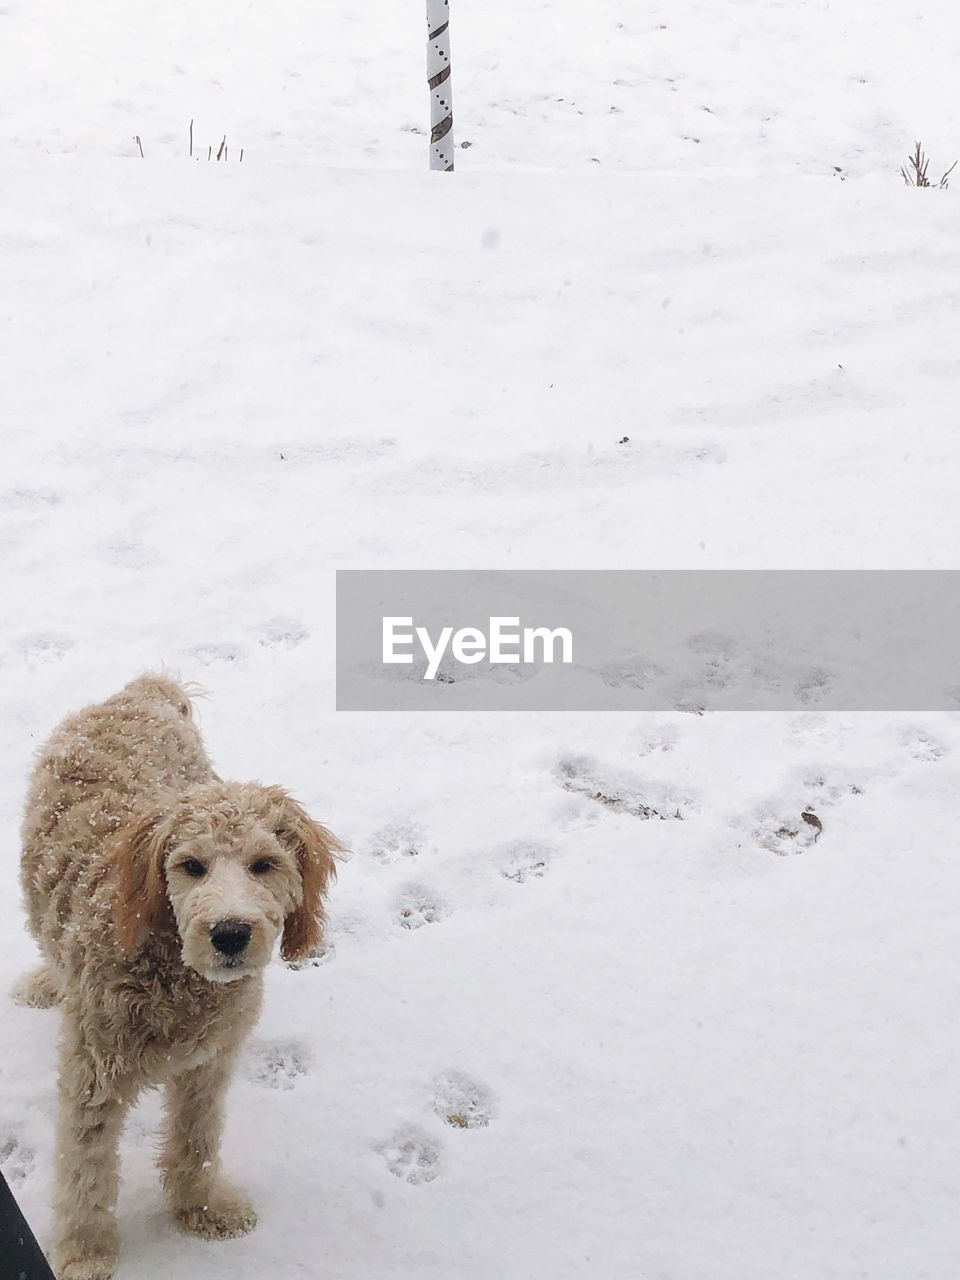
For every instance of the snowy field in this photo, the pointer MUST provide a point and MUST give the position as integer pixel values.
(549, 1039)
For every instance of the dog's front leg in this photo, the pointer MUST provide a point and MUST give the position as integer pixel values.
(92, 1108)
(202, 1200)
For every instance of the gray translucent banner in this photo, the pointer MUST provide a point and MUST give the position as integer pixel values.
(648, 641)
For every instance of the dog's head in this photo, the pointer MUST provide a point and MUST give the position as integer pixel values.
(234, 866)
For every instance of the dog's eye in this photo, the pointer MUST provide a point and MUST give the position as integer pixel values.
(194, 868)
(261, 866)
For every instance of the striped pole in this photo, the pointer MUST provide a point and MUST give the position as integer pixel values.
(441, 86)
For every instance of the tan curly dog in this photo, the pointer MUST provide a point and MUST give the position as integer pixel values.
(156, 893)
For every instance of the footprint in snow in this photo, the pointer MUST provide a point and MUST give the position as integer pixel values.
(282, 633)
(417, 907)
(128, 553)
(45, 646)
(524, 860)
(921, 745)
(394, 841)
(141, 1128)
(411, 1156)
(29, 499)
(826, 787)
(343, 449)
(797, 821)
(16, 1158)
(630, 675)
(319, 955)
(210, 655)
(576, 814)
(276, 1064)
(787, 835)
(462, 1102)
(813, 685)
(617, 790)
(654, 741)
(715, 650)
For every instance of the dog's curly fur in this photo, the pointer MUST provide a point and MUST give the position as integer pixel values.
(139, 864)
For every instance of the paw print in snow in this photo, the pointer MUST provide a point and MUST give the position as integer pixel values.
(790, 835)
(27, 499)
(922, 746)
(462, 1102)
(796, 821)
(217, 654)
(394, 841)
(718, 658)
(321, 954)
(45, 647)
(575, 814)
(277, 1064)
(282, 633)
(16, 1159)
(652, 741)
(411, 1156)
(418, 907)
(617, 791)
(813, 685)
(525, 860)
(825, 788)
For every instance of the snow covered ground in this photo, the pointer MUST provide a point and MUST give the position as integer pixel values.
(550, 1039)
(761, 87)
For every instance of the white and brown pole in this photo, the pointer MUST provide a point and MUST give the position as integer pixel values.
(441, 86)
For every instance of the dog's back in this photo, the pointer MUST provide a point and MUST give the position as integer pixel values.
(99, 768)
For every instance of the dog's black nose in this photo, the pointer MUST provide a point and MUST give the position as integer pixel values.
(230, 936)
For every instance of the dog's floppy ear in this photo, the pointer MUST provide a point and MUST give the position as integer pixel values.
(315, 848)
(141, 902)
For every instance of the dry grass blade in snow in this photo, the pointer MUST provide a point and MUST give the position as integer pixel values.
(916, 174)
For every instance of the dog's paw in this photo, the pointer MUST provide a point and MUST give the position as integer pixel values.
(224, 1214)
(37, 989)
(90, 1256)
(87, 1269)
